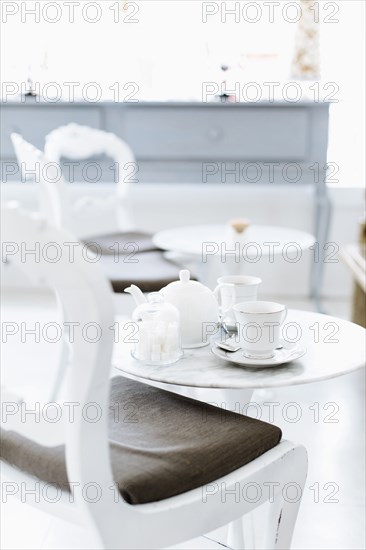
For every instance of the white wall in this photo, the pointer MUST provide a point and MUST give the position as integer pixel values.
(157, 207)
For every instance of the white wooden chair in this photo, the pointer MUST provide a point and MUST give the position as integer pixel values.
(149, 269)
(53, 193)
(143, 264)
(114, 523)
(79, 143)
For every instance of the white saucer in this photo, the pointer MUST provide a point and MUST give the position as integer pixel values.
(281, 356)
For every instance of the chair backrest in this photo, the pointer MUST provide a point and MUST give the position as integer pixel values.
(78, 142)
(85, 297)
(26, 157)
(52, 189)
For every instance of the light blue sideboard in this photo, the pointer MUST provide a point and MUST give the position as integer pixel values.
(188, 142)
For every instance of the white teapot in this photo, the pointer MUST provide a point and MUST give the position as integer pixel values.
(198, 308)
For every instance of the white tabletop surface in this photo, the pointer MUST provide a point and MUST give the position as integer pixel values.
(334, 347)
(190, 239)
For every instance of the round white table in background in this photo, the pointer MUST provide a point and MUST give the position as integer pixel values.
(213, 255)
(190, 239)
(334, 347)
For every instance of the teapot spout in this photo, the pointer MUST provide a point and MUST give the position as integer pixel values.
(136, 293)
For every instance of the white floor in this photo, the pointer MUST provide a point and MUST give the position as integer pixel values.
(332, 512)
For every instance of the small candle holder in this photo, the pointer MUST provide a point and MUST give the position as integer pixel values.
(31, 91)
(236, 229)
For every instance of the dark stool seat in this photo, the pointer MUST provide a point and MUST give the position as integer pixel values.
(132, 258)
(161, 444)
(127, 242)
(150, 271)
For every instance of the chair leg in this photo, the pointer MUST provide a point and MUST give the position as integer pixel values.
(235, 536)
(286, 525)
(283, 511)
(274, 514)
(63, 364)
(249, 531)
(281, 524)
(64, 358)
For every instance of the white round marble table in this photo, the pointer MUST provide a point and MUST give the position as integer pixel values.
(213, 254)
(334, 347)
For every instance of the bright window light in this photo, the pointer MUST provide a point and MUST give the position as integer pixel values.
(163, 50)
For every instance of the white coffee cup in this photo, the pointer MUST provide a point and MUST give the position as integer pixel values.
(232, 289)
(258, 325)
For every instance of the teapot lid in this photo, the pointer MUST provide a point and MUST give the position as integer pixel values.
(185, 283)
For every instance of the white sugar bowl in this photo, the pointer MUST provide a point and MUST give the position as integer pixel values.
(157, 341)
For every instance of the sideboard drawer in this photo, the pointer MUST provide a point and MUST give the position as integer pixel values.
(209, 133)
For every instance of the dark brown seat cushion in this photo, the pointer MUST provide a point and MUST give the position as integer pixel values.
(150, 271)
(161, 444)
(139, 241)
